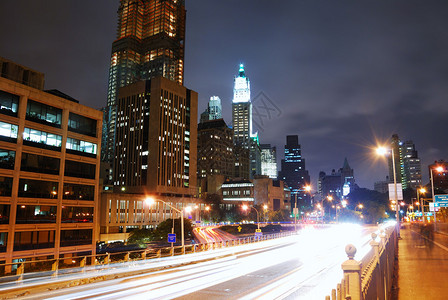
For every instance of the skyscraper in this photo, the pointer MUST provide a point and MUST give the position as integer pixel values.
(294, 173)
(407, 163)
(150, 43)
(156, 152)
(242, 123)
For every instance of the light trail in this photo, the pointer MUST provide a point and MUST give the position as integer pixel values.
(306, 265)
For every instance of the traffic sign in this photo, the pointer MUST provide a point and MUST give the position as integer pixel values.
(441, 200)
(257, 230)
(171, 237)
(258, 233)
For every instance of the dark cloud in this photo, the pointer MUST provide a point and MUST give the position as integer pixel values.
(342, 73)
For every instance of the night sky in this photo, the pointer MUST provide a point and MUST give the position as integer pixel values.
(339, 74)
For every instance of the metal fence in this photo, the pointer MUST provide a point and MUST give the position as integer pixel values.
(35, 269)
(370, 278)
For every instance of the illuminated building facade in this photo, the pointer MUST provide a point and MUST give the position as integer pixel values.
(407, 163)
(337, 184)
(259, 191)
(215, 149)
(155, 156)
(49, 170)
(150, 43)
(213, 110)
(245, 146)
(294, 173)
(268, 161)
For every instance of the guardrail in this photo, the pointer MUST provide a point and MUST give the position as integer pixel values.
(370, 278)
(19, 271)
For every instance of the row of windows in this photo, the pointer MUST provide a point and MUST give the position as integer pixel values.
(47, 165)
(46, 114)
(42, 139)
(29, 240)
(46, 214)
(29, 188)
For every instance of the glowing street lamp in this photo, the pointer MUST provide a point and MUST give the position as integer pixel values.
(246, 207)
(150, 201)
(382, 151)
(440, 170)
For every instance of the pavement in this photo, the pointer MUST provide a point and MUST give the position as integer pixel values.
(422, 265)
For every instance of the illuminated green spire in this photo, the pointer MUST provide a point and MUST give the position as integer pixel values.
(242, 73)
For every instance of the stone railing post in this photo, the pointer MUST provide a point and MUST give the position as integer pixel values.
(375, 245)
(352, 274)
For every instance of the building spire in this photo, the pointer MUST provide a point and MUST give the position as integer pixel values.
(346, 166)
(241, 71)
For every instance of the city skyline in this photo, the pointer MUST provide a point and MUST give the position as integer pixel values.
(343, 74)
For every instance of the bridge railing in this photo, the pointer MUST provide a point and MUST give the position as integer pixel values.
(35, 269)
(372, 276)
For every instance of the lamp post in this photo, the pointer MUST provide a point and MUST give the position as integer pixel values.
(438, 169)
(151, 201)
(420, 202)
(265, 209)
(382, 151)
(245, 207)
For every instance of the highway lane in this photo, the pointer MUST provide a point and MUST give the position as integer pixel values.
(304, 266)
(212, 234)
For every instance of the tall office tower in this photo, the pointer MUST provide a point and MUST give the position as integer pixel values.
(268, 161)
(242, 110)
(156, 137)
(150, 43)
(242, 124)
(49, 166)
(407, 163)
(155, 156)
(411, 164)
(215, 149)
(294, 173)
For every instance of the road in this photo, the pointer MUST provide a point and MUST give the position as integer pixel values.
(304, 266)
(212, 234)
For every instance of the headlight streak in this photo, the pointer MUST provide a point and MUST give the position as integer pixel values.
(318, 252)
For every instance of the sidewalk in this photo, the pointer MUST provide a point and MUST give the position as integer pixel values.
(422, 266)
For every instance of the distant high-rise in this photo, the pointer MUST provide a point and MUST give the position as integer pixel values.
(242, 123)
(294, 173)
(213, 110)
(268, 161)
(407, 163)
(150, 43)
(337, 184)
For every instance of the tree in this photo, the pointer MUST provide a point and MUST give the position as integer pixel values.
(165, 227)
(375, 204)
(140, 237)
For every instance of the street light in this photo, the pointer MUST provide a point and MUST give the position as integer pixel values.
(421, 191)
(440, 170)
(383, 151)
(265, 209)
(151, 201)
(246, 207)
